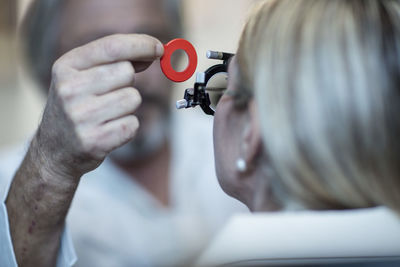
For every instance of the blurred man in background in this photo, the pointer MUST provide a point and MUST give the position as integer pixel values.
(141, 205)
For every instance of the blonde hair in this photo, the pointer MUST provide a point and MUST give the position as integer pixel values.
(326, 78)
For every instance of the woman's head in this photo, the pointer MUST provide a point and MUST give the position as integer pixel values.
(315, 111)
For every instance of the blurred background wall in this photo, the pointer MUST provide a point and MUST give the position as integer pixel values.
(209, 24)
(8, 79)
(20, 106)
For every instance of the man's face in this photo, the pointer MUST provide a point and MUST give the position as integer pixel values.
(83, 21)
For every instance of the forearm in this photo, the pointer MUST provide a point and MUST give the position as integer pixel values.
(37, 204)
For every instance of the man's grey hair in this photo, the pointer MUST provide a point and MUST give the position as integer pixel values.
(40, 31)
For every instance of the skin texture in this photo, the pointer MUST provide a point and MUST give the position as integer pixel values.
(87, 115)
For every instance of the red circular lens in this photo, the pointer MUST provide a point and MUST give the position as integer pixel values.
(165, 62)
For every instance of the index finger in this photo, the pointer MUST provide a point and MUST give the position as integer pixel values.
(114, 48)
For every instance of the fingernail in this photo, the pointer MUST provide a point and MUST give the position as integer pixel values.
(159, 50)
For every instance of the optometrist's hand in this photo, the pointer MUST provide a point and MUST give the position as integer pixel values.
(91, 100)
(89, 112)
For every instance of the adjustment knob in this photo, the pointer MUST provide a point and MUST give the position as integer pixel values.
(180, 104)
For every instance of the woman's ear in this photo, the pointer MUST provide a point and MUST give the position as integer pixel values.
(261, 197)
(251, 143)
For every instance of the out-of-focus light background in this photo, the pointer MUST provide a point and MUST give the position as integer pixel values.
(209, 25)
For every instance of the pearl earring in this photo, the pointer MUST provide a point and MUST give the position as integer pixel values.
(241, 165)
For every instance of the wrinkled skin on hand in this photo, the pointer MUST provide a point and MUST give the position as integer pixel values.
(91, 101)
